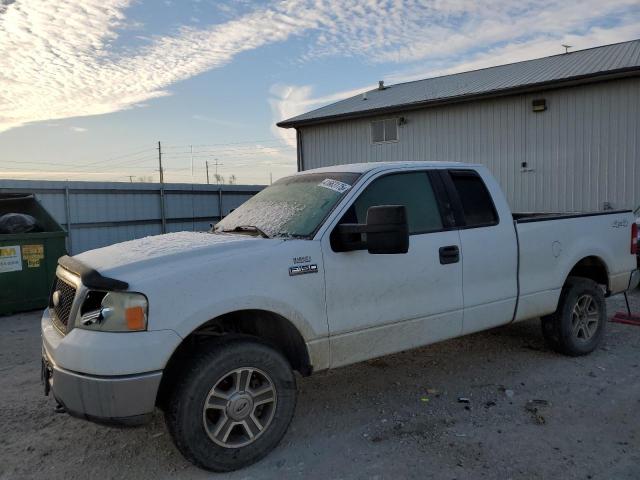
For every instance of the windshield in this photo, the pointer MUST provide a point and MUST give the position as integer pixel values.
(292, 207)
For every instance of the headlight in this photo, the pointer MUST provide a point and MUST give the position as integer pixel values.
(113, 312)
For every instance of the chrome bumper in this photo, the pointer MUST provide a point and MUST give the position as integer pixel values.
(123, 400)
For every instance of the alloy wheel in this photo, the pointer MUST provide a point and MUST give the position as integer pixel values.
(239, 407)
(585, 318)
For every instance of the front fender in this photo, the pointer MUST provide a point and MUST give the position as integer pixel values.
(234, 304)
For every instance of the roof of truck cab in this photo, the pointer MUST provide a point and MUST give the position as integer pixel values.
(367, 167)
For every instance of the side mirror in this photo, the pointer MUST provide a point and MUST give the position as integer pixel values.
(386, 231)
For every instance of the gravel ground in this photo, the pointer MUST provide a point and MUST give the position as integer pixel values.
(531, 414)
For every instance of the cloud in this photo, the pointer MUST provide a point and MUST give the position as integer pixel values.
(57, 59)
(287, 101)
(62, 59)
(78, 129)
(518, 51)
(409, 31)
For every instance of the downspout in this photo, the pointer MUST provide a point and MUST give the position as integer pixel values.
(300, 157)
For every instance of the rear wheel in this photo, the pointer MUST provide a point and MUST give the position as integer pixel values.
(577, 327)
(233, 404)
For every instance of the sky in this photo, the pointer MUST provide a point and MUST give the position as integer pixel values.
(89, 87)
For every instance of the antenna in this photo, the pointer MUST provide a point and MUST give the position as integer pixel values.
(567, 47)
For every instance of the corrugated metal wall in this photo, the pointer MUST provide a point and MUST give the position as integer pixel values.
(582, 152)
(101, 213)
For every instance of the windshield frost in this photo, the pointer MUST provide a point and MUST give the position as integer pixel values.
(293, 206)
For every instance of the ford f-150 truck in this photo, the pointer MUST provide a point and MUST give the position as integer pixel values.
(322, 269)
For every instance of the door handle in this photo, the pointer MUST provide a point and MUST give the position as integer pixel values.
(449, 254)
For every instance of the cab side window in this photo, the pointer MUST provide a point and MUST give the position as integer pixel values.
(477, 204)
(413, 190)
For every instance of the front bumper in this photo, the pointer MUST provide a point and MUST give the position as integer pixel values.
(123, 400)
(111, 387)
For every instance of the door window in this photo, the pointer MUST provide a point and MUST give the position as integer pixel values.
(413, 190)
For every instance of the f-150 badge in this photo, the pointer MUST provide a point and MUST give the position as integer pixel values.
(301, 269)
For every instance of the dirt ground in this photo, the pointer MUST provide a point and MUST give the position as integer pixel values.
(531, 414)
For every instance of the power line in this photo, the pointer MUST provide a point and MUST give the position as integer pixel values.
(244, 142)
(135, 161)
(229, 155)
(226, 150)
(75, 165)
(118, 157)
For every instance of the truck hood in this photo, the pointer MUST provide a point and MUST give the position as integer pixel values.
(132, 256)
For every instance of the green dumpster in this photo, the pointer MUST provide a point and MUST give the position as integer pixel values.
(28, 254)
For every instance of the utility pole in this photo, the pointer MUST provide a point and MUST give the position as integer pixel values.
(163, 218)
(216, 164)
(191, 163)
(160, 163)
(130, 178)
(207, 164)
(270, 178)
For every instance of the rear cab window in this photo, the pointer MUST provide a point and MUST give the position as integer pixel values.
(475, 207)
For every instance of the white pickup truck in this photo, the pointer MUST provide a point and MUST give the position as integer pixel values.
(322, 269)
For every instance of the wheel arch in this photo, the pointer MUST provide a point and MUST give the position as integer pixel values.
(592, 267)
(270, 327)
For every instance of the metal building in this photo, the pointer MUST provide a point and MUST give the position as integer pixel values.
(560, 133)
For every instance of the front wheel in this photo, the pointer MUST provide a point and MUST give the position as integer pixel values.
(577, 327)
(233, 405)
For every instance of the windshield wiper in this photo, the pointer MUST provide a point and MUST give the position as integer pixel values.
(247, 228)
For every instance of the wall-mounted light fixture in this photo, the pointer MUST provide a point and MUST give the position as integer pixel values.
(524, 167)
(539, 105)
(402, 121)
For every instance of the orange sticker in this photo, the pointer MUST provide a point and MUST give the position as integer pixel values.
(33, 255)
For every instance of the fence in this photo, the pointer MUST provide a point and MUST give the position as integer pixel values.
(96, 214)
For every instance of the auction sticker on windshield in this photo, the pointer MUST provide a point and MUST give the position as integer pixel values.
(334, 185)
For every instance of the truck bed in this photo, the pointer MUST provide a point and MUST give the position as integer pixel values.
(523, 217)
(550, 245)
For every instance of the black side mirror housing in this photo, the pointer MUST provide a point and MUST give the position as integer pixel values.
(386, 232)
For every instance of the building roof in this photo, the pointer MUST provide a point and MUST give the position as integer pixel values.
(582, 66)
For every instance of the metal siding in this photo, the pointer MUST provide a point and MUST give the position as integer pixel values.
(583, 149)
(105, 213)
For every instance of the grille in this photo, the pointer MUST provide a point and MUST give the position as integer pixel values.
(66, 294)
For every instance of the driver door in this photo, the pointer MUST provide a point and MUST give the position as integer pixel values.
(380, 304)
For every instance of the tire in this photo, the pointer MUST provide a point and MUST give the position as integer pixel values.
(243, 369)
(578, 326)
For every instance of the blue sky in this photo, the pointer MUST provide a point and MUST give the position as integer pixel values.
(87, 88)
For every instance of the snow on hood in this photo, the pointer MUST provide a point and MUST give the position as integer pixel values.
(158, 246)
